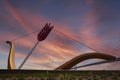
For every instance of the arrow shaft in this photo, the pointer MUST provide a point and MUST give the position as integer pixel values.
(28, 55)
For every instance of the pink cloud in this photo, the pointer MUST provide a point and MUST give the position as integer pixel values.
(52, 50)
(15, 13)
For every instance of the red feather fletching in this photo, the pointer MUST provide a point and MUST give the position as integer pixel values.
(44, 32)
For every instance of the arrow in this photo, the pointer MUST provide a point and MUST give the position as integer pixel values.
(40, 37)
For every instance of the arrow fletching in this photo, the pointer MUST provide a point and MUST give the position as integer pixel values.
(44, 32)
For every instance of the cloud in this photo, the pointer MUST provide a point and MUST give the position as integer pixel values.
(55, 49)
(99, 34)
(16, 14)
(60, 46)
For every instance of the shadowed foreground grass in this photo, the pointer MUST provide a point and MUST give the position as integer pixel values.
(58, 75)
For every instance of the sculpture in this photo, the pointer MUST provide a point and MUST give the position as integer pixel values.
(65, 66)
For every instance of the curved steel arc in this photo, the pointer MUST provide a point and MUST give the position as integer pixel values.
(80, 58)
(65, 66)
(11, 57)
(97, 63)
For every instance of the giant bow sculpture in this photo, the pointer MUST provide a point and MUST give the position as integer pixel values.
(66, 66)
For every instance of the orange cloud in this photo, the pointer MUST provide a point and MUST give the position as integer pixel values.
(17, 16)
(59, 46)
(53, 49)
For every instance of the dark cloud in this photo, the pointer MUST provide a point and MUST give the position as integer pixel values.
(107, 11)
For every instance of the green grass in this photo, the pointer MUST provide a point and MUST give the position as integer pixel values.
(62, 75)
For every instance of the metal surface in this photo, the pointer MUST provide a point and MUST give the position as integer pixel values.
(80, 58)
(11, 57)
(66, 66)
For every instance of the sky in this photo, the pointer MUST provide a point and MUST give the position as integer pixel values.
(94, 23)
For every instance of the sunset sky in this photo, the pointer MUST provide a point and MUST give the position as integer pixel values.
(95, 23)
